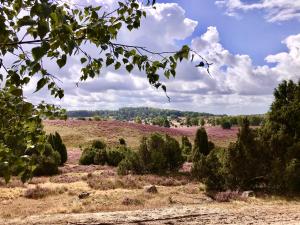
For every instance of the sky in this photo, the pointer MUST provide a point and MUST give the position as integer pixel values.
(253, 45)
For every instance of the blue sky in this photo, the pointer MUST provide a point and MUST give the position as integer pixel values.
(249, 33)
(253, 46)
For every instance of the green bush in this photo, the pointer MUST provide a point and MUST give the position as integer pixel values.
(115, 156)
(124, 167)
(98, 144)
(87, 156)
(226, 125)
(122, 141)
(100, 157)
(48, 162)
(173, 154)
(131, 163)
(200, 144)
(58, 145)
(160, 154)
(97, 118)
(186, 146)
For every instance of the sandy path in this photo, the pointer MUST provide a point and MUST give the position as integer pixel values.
(213, 213)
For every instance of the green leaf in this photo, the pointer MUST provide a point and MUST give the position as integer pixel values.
(16, 91)
(39, 52)
(129, 67)
(117, 65)
(109, 61)
(62, 61)
(42, 28)
(41, 83)
(26, 21)
(83, 60)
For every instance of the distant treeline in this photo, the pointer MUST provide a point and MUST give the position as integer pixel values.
(130, 113)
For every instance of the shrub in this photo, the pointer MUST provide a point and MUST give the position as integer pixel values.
(186, 146)
(173, 154)
(115, 156)
(200, 145)
(131, 162)
(100, 157)
(124, 167)
(97, 118)
(159, 154)
(226, 125)
(47, 163)
(122, 141)
(155, 146)
(87, 156)
(58, 145)
(144, 153)
(98, 144)
(37, 192)
(292, 178)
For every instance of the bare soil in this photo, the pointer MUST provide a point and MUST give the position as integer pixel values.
(205, 213)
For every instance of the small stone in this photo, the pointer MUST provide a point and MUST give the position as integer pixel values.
(151, 189)
(83, 195)
(247, 194)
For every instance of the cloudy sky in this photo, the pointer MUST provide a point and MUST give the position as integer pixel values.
(253, 45)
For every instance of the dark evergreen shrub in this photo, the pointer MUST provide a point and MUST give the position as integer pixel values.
(58, 145)
(87, 156)
(98, 144)
(115, 156)
(48, 162)
(226, 125)
(100, 157)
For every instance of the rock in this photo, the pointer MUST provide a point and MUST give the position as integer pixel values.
(151, 189)
(247, 194)
(83, 195)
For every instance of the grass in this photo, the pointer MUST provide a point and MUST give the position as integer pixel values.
(81, 133)
(107, 191)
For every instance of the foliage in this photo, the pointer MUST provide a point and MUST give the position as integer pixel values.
(173, 154)
(88, 155)
(226, 125)
(115, 156)
(100, 157)
(267, 158)
(200, 144)
(131, 162)
(58, 145)
(98, 144)
(202, 122)
(160, 154)
(22, 139)
(138, 120)
(209, 170)
(186, 147)
(47, 163)
(57, 31)
(122, 141)
(130, 113)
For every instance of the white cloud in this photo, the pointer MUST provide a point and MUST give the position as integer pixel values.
(237, 85)
(277, 10)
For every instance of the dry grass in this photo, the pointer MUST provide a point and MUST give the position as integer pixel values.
(81, 133)
(38, 192)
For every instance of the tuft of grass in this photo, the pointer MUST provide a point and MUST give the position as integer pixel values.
(39, 192)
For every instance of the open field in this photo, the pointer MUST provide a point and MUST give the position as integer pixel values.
(97, 195)
(77, 132)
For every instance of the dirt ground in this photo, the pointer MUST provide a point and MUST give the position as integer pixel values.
(205, 213)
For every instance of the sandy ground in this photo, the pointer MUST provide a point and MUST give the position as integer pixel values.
(208, 213)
